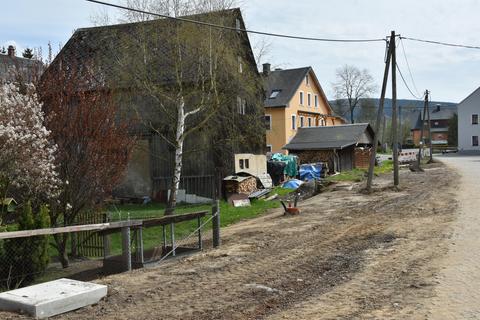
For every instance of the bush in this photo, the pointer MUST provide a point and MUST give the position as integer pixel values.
(23, 259)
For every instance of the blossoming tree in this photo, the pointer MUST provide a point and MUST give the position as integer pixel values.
(27, 156)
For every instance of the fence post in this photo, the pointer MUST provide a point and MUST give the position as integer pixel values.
(216, 223)
(106, 238)
(140, 257)
(172, 238)
(199, 222)
(126, 248)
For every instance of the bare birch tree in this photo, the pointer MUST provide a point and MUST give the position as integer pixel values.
(186, 70)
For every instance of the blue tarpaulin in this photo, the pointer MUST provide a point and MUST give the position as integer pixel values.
(292, 184)
(309, 172)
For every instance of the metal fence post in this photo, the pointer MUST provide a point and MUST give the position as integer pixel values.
(199, 222)
(106, 238)
(172, 238)
(216, 223)
(126, 248)
(140, 257)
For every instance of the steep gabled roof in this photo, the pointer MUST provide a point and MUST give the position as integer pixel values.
(330, 137)
(442, 114)
(470, 95)
(28, 68)
(287, 83)
(115, 47)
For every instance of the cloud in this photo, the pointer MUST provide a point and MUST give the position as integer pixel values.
(36, 23)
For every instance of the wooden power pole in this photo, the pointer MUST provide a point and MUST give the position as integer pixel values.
(394, 112)
(400, 130)
(429, 127)
(380, 115)
(421, 141)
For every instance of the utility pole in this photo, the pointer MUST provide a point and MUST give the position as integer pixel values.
(379, 120)
(400, 129)
(394, 112)
(429, 127)
(384, 127)
(420, 148)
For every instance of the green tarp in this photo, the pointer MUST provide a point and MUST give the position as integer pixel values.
(291, 161)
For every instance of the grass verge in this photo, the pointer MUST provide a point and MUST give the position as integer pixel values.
(358, 175)
(152, 237)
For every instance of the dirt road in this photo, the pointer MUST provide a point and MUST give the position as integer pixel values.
(347, 256)
(458, 291)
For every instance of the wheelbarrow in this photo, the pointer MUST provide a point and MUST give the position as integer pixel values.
(289, 209)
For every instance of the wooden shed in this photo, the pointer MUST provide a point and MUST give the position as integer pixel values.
(343, 147)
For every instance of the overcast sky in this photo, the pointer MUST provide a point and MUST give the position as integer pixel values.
(449, 73)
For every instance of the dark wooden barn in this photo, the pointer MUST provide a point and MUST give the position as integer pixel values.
(118, 51)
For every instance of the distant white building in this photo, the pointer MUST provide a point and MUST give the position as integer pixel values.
(468, 122)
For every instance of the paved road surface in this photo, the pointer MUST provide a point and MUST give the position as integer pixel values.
(458, 291)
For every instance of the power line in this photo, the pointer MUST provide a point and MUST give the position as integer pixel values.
(441, 43)
(406, 85)
(278, 35)
(408, 67)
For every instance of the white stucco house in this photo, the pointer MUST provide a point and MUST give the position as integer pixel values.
(468, 122)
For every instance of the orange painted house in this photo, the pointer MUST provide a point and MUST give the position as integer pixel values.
(294, 99)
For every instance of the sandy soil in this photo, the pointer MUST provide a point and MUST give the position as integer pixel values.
(347, 256)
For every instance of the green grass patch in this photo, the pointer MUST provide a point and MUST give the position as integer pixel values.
(357, 175)
(152, 237)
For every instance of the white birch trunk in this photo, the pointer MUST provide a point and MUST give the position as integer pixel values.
(179, 139)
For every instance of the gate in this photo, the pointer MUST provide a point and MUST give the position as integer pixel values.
(89, 243)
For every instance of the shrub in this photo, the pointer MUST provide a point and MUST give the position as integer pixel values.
(23, 259)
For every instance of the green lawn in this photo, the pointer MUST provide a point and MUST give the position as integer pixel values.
(358, 175)
(152, 237)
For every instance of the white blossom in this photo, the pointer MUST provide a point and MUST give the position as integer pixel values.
(27, 156)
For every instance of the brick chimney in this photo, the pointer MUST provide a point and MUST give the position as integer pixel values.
(11, 51)
(266, 69)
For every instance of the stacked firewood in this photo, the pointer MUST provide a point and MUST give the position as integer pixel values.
(247, 186)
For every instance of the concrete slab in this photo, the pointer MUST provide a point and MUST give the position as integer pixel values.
(52, 298)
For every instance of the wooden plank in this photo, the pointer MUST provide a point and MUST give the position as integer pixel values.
(88, 227)
(166, 220)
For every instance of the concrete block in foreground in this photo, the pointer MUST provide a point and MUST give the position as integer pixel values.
(51, 298)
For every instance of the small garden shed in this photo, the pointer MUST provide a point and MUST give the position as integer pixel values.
(343, 147)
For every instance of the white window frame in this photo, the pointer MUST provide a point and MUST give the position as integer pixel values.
(269, 148)
(294, 121)
(309, 121)
(474, 114)
(322, 122)
(302, 98)
(274, 94)
(475, 145)
(309, 99)
(269, 122)
(316, 100)
(241, 106)
(302, 122)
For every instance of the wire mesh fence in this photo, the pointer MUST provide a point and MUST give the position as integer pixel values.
(34, 256)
